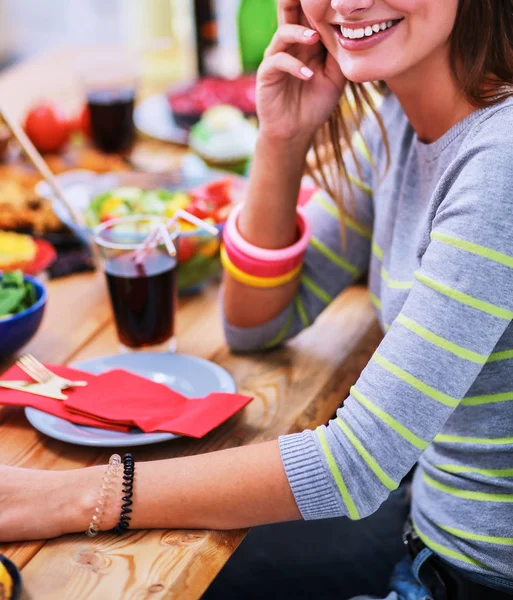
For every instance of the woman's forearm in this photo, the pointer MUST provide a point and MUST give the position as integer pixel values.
(230, 489)
(268, 220)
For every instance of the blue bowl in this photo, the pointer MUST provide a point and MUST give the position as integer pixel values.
(18, 330)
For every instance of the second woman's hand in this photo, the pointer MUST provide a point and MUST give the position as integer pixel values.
(298, 84)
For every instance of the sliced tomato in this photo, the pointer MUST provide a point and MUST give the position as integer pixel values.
(200, 209)
(222, 213)
(216, 192)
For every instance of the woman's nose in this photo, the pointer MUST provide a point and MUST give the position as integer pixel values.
(351, 7)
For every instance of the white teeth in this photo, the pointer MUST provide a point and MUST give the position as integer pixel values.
(352, 34)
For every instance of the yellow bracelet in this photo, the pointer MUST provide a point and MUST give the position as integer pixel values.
(253, 280)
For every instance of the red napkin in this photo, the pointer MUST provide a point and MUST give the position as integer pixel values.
(124, 398)
(48, 405)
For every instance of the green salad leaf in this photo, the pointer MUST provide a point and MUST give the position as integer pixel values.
(16, 294)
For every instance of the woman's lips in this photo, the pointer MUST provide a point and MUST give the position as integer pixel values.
(365, 42)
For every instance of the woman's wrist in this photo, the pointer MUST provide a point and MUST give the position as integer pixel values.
(291, 150)
(82, 487)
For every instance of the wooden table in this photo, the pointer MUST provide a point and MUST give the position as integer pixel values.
(296, 387)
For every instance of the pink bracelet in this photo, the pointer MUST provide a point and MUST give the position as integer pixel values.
(256, 267)
(263, 254)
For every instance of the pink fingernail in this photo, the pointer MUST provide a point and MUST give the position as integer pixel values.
(309, 33)
(306, 72)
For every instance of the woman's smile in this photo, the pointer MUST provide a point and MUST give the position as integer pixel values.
(361, 36)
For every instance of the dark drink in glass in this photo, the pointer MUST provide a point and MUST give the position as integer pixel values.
(112, 117)
(143, 298)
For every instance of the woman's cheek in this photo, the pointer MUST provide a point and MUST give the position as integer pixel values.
(315, 10)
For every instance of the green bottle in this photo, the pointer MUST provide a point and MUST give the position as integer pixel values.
(257, 20)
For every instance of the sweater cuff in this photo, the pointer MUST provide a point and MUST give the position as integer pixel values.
(248, 339)
(309, 477)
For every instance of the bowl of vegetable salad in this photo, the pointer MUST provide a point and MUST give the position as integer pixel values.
(102, 198)
(22, 305)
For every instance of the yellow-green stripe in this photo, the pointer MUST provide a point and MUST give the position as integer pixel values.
(333, 257)
(444, 551)
(485, 472)
(316, 289)
(361, 145)
(303, 315)
(348, 221)
(503, 355)
(376, 250)
(481, 305)
(337, 475)
(487, 399)
(456, 439)
(414, 382)
(371, 462)
(467, 494)
(282, 334)
(400, 429)
(395, 284)
(467, 535)
(493, 255)
(375, 300)
(441, 342)
(360, 185)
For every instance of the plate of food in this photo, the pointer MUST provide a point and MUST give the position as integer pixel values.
(25, 253)
(169, 117)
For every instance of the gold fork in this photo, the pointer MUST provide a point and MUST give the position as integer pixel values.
(38, 389)
(37, 371)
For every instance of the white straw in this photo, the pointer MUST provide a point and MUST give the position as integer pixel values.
(183, 214)
(161, 232)
(166, 238)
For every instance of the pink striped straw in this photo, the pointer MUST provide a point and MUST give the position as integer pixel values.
(161, 234)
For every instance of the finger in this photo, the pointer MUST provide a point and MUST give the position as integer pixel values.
(283, 63)
(286, 35)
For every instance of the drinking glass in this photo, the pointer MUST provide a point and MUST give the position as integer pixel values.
(143, 293)
(110, 90)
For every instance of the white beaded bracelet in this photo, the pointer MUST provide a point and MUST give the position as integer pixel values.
(106, 488)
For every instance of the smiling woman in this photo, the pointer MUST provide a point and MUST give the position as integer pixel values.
(423, 203)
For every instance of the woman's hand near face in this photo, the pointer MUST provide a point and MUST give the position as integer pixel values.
(298, 83)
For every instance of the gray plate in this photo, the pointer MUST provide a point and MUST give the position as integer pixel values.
(189, 375)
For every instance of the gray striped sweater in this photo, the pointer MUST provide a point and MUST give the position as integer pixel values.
(435, 233)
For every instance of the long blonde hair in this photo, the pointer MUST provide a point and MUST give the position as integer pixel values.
(481, 55)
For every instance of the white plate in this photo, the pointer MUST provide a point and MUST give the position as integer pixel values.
(189, 375)
(153, 117)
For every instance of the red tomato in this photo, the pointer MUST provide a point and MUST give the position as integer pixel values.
(217, 193)
(47, 128)
(186, 248)
(222, 213)
(85, 121)
(199, 208)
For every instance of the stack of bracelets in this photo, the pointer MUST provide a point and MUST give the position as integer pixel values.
(259, 267)
(107, 487)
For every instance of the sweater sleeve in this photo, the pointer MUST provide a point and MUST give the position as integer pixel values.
(330, 265)
(458, 309)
